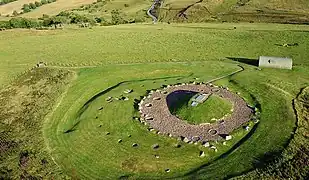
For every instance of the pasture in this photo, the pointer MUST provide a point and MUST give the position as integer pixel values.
(89, 137)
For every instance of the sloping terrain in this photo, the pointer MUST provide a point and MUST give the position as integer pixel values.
(236, 10)
(23, 107)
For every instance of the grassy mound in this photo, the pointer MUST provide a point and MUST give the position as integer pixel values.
(24, 105)
(214, 107)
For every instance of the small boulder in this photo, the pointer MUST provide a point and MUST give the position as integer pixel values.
(155, 146)
(157, 156)
(229, 137)
(128, 91)
(148, 105)
(108, 133)
(167, 170)
(186, 140)
(119, 140)
(206, 144)
(177, 146)
(202, 154)
(134, 145)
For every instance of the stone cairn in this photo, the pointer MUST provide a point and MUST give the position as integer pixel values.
(154, 112)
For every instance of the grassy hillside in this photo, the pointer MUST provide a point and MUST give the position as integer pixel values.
(234, 10)
(108, 60)
(50, 9)
(279, 11)
(23, 106)
(135, 44)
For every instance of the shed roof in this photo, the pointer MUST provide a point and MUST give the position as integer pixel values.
(275, 62)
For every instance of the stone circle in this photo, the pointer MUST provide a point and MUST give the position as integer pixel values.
(159, 117)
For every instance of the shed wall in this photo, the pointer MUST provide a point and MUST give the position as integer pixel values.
(275, 62)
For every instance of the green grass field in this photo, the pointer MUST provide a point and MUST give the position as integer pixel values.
(83, 140)
(209, 111)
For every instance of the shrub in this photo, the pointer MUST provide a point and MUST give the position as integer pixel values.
(116, 17)
(37, 4)
(15, 13)
(32, 5)
(44, 2)
(26, 8)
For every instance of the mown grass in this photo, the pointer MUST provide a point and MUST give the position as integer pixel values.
(209, 111)
(139, 44)
(88, 153)
(276, 123)
(101, 154)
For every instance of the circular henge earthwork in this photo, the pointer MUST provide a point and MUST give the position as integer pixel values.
(155, 112)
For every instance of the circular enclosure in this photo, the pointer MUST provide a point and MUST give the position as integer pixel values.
(159, 116)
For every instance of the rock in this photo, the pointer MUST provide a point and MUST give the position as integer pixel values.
(177, 145)
(109, 98)
(167, 170)
(108, 133)
(148, 105)
(119, 140)
(202, 154)
(247, 128)
(212, 132)
(213, 147)
(156, 98)
(134, 145)
(129, 135)
(206, 144)
(149, 118)
(157, 156)
(155, 146)
(100, 125)
(127, 91)
(100, 108)
(195, 138)
(229, 137)
(224, 143)
(186, 140)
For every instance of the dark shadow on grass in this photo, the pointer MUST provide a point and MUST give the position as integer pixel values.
(252, 62)
(178, 99)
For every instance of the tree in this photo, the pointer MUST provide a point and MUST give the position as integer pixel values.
(15, 13)
(26, 8)
(116, 18)
(44, 2)
(32, 5)
(37, 4)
